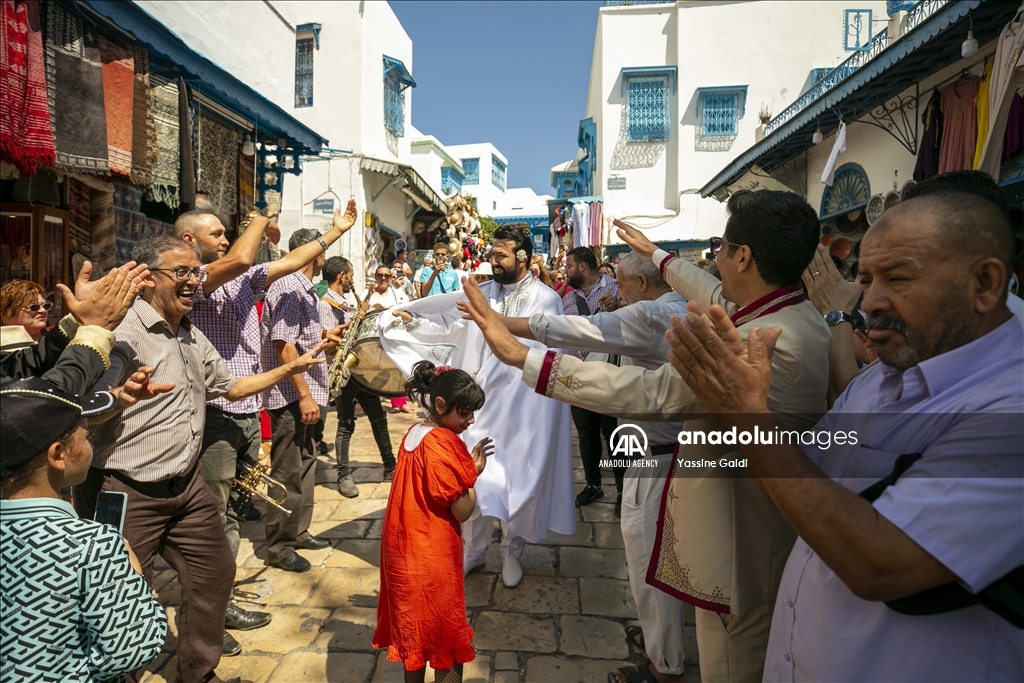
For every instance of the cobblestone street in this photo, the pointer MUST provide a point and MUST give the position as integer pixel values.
(565, 622)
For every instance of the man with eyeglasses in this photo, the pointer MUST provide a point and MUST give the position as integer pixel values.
(150, 451)
(225, 310)
(440, 278)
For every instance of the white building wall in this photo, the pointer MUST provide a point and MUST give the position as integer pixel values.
(487, 195)
(769, 47)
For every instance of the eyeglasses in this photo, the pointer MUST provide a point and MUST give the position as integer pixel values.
(181, 273)
(35, 308)
(717, 243)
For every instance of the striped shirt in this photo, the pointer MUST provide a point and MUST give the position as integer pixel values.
(291, 314)
(605, 285)
(159, 438)
(228, 318)
(332, 315)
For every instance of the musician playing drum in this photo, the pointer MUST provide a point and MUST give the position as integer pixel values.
(340, 304)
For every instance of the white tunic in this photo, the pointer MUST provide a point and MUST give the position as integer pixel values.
(528, 481)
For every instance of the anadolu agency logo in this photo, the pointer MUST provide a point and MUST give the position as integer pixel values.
(628, 441)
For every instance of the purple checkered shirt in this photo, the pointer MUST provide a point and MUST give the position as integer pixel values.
(291, 314)
(228, 318)
(605, 285)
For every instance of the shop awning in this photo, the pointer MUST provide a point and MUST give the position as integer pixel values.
(171, 57)
(925, 49)
(413, 181)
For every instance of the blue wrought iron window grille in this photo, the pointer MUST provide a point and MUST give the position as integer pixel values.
(649, 117)
(720, 110)
(304, 72)
(471, 167)
(396, 79)
(451, 180)
(498, 170)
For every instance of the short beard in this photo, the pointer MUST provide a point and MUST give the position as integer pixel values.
(209, 255)
(952, 331)
(576, 281)
(507, 277)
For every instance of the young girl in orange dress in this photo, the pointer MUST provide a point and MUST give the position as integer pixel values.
(421, 613)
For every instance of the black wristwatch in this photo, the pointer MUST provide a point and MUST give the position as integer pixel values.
(835, 317)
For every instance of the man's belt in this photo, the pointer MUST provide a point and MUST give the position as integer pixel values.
(167, 488)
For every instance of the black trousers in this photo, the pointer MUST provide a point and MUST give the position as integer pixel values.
(346, 404)
(293, 463)
(595, 430)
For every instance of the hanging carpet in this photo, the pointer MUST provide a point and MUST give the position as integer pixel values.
(143, 134)
(217, 159)
(163, 99)
(118, 95)
(26, 139)
(74, 85)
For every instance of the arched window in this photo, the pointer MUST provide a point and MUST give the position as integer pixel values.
(849, 191)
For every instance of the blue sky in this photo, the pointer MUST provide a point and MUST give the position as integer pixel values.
(516, 72)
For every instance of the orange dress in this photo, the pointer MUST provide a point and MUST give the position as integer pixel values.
(421, 612)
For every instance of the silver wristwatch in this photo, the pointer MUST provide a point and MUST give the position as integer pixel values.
(835, 317)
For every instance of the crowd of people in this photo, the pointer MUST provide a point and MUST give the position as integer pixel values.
(889, 545)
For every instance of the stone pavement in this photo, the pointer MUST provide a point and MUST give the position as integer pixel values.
(565, 622)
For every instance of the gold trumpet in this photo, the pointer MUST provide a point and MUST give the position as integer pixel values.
(249, 485)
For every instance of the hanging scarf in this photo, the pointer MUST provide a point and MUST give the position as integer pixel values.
(118, 94)
(163, 98)
(143, 134)
(246, 180)
(187, 172)
(74, 85)
(25, 136)
(217, 158)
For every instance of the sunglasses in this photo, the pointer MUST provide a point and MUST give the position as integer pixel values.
(718, 242)
(35, 308)
(383, 276)
(181, 273)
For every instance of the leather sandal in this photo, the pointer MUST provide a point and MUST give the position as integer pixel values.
(632, 632)
(634, 674)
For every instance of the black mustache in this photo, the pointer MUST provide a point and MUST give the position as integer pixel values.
(878, 321)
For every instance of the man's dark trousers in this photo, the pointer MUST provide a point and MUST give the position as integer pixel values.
(346, 403)
(293, 463)
(595, 431)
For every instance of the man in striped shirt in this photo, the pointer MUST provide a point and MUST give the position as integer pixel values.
(151, 450)
(291, 323)
(225, 310)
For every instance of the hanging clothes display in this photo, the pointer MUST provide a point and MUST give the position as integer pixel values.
(118, 100)
(931, 139)
(960, 123)
(74, 85)
(581, 225)
(1014, 138)
(981, 105)
(26, 139)
(596, 222)
(829, 172)
(1006, 72)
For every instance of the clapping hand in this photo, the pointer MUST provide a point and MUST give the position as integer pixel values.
(481, 451)
(105, 301)
(138, 387)
(503, 345)
(727, 376)
(826, 287)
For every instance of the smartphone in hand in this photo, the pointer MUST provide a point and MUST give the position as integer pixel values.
(111, 507)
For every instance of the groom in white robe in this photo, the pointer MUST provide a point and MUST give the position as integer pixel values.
(528, 482)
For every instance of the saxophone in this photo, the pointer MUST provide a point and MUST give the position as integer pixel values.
(344, 359)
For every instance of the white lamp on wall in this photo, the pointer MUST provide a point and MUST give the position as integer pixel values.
(969, 48)
(817, 137)
(248, 149)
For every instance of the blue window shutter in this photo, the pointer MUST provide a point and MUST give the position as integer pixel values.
(719, 114)
(304, 72)
(472, 169)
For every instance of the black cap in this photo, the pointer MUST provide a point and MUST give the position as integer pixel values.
(34, 414)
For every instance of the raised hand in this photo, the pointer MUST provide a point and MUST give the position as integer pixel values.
(503, 345)
(342, 222)
(636, 240)
(481, 451)
(610, 303)
(826, 286)
(106, 301)
(727, 384)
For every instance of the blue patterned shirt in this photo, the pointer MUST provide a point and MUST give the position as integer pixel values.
(72, 607)
(291, 313)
